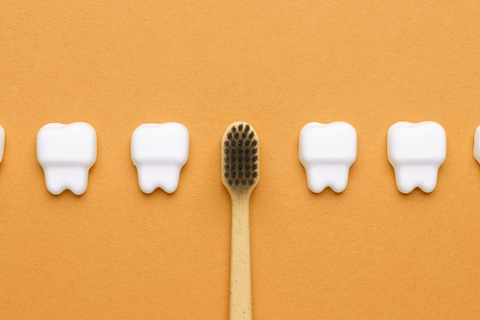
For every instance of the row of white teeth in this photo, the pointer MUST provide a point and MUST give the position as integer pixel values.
(159, 151)
(67, 152)
(416, 152)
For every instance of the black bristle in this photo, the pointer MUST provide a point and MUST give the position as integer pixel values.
(241, 156)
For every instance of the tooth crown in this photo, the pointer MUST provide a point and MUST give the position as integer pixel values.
(327, 151)
(416, 151)
(66, 154)
(476, 146)
(2, 142)
(159, 151)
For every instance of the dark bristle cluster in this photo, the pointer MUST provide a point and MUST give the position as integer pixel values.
(240, 156)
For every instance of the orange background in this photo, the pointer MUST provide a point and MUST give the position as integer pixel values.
(116, 253)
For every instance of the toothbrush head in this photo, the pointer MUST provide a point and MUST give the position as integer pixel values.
(240, 158)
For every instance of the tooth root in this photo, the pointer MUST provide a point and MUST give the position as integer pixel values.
(327, 175)
(59, 179)
(410, 177)
(66, 154)
(158, 176)
(2, 142)
(327, 151)
(416, 151)
(159, 151)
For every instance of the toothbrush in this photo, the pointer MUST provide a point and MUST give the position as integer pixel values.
(240, 173)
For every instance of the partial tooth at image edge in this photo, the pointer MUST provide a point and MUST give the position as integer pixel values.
(2, 143)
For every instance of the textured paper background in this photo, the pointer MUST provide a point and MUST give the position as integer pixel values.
(116, 253)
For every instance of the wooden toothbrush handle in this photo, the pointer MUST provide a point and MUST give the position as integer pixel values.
(240, 279)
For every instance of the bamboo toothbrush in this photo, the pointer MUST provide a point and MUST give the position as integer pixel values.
(240, 173)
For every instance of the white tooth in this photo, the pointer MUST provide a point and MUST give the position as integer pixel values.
(159, 151)
(327, 151)
(66, 154)
(476, 145)
(416, 151)
(2, 142)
